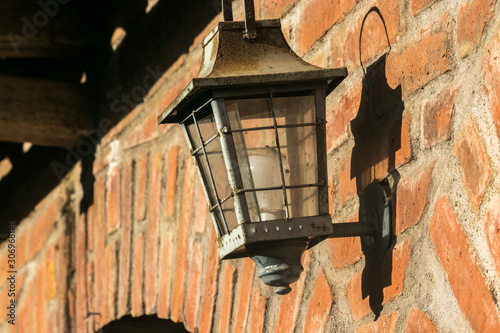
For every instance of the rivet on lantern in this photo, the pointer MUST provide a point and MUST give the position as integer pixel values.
(254, 120)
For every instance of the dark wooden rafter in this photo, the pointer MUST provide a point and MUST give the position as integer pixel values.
(43, 112)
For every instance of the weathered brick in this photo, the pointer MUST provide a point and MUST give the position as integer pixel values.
(209, 284)
(290, 303)
(339, 119)
(114, 199)
(125, 242)
(163, 306)
(51, 277)
(172, 159)
(90, 228)
(412, 197)
(89, 285)
(345, 251)
(422, 60)
(110, 283)
(418, 322)
(370, 281)
(492, 229)
(257, 312)
(491, 75)
(140, 187)
(331, 195)
(226, 297)
(80, 272)
(384, 324)
(146, 131)
(311, 29)
(152, 239)
(437, 115)
(40, 300)
(40, 231)
(138, 276)
(194, 291)
(247, 274)
(271, 9)
(201, 210)
(347, 186)
(99, 243)
(476, 171)
(179, 288)
(319, 305)
(459, 263)
(419, 5)
(471, 22)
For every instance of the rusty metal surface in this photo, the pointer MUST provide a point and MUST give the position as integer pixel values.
(254, 232)
(229, 60)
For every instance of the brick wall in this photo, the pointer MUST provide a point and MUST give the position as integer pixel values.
(130, 234)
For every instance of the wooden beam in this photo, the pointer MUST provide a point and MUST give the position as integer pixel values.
(43, 112)
(46, 28)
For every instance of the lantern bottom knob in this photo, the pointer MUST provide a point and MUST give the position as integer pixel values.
(278, 262)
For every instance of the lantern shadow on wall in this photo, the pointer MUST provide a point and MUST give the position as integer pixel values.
(377, 131)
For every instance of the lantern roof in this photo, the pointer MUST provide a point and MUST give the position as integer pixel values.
(230, 60)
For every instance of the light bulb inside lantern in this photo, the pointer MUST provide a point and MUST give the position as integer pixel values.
(265, 169)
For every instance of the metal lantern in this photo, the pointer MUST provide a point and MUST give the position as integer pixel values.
(254, 121)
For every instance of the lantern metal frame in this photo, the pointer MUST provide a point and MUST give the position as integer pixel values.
(248, 60)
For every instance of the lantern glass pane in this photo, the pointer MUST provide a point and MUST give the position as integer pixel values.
(269, 157)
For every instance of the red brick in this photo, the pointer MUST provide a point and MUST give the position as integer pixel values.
(50, 278)
(194, 290)
(89, 285)
(437, 115)
(152, 232)
(138, 276)
(5, 167)
(226, 297)
(472, 19)
(384, 324)
(422, 60)
(476, 171)
(90, 228)
(179, 288)
(171, 180)
(491, 75)
(114, 199)
(257, 312)
(345, 251)
(331, 195)
(201, 209)
(63, 265)
(99, 243)
(146, 131)
(418, 322)
(369, 281)
(345, 43)
(125, 242)
(110, 283)
(209, 284)
(319, 305)
(140, 187)
(466, 280)
(492, 229)
(40, 300)
(247, 274)
(271, 9)
(40, 231)
(290, 303)
(419, 5)
(163, 306)
(338, 121)
(81, 276)
(347, 186)
(311, 29)
(412, 197)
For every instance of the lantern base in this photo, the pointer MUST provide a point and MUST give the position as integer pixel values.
(375, 209)
(278, 262)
